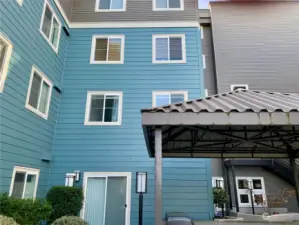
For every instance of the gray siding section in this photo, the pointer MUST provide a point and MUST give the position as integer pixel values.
(136, 10)
(67, 7)
(257, 44)
(274, 186)
(207, 50)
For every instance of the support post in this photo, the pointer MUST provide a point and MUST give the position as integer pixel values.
(140, 219)
(252, 202)
(225, 184)
(235, 187)
(295, 175)
(158, 176)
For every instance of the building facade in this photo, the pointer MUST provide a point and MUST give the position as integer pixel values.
(75, 76)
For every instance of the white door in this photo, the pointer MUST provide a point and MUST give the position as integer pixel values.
(107, 198)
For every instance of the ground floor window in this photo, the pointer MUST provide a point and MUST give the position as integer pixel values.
(247, 186)
(24, 182)
(218, 182)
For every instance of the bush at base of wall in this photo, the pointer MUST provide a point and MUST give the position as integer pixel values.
(25, 211)
(4, 220)
(65, 201)
(69, 220)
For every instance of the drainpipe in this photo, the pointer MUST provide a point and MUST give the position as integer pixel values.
(235, 186)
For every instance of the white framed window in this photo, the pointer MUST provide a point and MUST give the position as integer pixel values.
(169, 48)
(217, 182)
(5, 54)
(24, 182)
(235, 87)
(168, 5)
(50, 26)
(110, 5)
(107, 49)
(161, 98)
(39, 93)
(20, 2)
(103, 108)
(257, 185)
(204, 66)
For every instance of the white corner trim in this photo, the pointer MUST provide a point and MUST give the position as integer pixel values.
(55, 48)
(62, 12)
(27, 171)
(245, 86)
(93, 47)
(135, 24)
(204, 66)
(88, 104)
(183, 42)
(46, 80)
(156, 93)
(97, 7)
(168, 9)
(201, 32)
(8, 53)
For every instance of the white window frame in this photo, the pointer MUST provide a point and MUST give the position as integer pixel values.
(41, 25)
(97, 7)
(93, 48)
(156, 93)
(204, 66)
(255, 191)
(20, 2)
(238, 85)
(214, 179)
(26, 170)
(168, 9)
(88, 103)
(8, 53)
(46, 80)
(183, 38)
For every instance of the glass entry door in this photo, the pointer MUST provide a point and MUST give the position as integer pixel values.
(106, 199)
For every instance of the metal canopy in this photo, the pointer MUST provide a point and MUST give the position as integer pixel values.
(239, 124)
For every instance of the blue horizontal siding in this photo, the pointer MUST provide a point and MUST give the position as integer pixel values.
(24, 135)
(186, 183)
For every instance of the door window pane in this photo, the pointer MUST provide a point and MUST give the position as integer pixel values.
(162, 49)
(3, 48)
(257, 184)
(175, 45)
(244, 198)
(97, 108)
(114, 49)
(55, 30)
(46, 28)
(105, 4)
(43, 103)
(35, 90)
(242, 184)
(18, 185)
(117, 4)
(258, 199)
(30, 186)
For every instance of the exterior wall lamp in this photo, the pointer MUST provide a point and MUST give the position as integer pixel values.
(141, 188)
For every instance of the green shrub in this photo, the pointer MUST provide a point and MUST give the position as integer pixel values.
(65, 201)
(25, 211)
(69, 220)
(4, 220)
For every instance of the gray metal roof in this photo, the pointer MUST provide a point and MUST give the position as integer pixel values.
(236, 101)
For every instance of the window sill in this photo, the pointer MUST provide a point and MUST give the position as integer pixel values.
(44, 116)
(169, 62)
(110, 10)
(87, 123)
(106, 62)
(52, 46)
(168, 9)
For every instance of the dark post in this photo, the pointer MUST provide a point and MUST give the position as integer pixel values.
(295, 176)
(140, 219)
(235, 187)
(252, 202)
(225, 184)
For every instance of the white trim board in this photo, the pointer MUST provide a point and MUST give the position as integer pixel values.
(6, 60)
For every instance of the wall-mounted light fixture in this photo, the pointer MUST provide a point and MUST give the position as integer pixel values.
(77, 175)
(141, 188)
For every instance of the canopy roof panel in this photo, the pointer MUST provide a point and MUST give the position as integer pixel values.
(239, 124)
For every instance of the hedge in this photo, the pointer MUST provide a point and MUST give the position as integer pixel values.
(65, 201)
(25, 211)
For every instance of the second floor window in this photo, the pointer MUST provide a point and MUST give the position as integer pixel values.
(168, 5)
(107, 49)
(169, 48)
(110, 5)
(161, 98)
(50, 27)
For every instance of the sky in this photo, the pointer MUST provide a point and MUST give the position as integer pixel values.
(203, 4)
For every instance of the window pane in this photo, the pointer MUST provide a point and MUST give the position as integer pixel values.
(258, 199)
(117, 4)
(111, 108)
(55, 31)
(3, 48)
(43, 103)
(175, 48)
(161, 49)
(244, 198)
(96, 108)
(162, 100)
(34, 92)
(18, 185)
(176, 98)
(174, 3)
(161, 4)
(242, 184)
(257, 184)
(101, 49)
(105, 4)
(47, 22)
(30, 185)
(114, 49)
